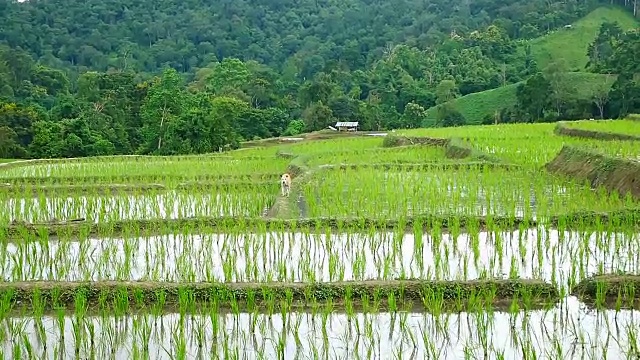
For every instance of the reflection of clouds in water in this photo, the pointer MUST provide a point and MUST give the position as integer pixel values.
(548, 255)
(166, 205)
(365, 336)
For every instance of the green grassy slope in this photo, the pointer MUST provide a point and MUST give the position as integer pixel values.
(475, 107)
(572, 44)
(568, 44)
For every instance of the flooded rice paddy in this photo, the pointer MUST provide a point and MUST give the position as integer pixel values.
(152, 205)
(566, 331)
(561, 257)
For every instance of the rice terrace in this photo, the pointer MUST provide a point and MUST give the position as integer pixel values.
(481, 242)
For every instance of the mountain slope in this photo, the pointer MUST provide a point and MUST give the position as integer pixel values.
(307, 35)
(572, 44)
(475, 107)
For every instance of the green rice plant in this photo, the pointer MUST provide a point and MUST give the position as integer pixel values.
(166, 167)
(241, 201)
(334, 145)
(464, 192)
(409, 154)
(475, 223)
(627, 127)
(537, 152)
(500, 131)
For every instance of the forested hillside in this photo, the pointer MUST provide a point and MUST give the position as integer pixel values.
(301, 36)
(165, 77)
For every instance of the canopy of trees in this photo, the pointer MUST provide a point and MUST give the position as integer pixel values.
(168, 77)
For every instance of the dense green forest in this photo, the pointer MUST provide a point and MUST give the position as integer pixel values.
(166, 77)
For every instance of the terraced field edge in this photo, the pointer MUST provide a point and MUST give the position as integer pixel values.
(562, 129)
(610, 291)
(455, 148)
(614, 174)
(148, 227)
(381, 294)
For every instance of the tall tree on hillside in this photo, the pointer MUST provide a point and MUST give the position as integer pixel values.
(534, 96)
(9, 147)
(225, 112)
(562, 90)
(602, 47)
(228, 76)
(601, 89)
(446, 91)
(625, 95)
(317, 117)
(164, 104)
(414, 115)
(626, 53)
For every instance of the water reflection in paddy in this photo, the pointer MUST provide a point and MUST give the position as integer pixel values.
(556, 256)
(568, 331)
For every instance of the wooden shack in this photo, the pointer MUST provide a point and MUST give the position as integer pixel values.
(347, 126)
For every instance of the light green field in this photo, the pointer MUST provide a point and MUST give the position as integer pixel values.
(475, 107)
(512, 131)
(534, 144)
(572, 44)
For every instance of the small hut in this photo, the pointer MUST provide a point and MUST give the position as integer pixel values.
(347, 126)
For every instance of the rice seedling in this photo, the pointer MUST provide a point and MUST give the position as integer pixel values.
(501, 131)
(477, 191)
(334, 145)
(164, 167)
(553, 333)
(243, 201)
(423, 154)
(496, 278)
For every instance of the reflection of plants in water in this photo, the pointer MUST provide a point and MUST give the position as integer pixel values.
(484, 334)
(243, 200)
